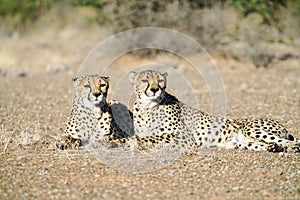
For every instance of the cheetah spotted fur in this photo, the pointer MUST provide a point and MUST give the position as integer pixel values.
(91, 117)
(160, 118)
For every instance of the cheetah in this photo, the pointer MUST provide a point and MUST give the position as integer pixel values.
(92, 117)
(160, 117)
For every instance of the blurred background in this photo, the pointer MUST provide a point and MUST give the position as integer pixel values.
(52, 35)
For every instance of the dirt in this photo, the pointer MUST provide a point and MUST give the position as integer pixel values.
(34, 109)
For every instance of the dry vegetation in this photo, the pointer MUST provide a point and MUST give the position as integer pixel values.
(35, 101)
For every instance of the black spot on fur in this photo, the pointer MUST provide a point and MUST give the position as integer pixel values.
(290, 137)
(217, 133)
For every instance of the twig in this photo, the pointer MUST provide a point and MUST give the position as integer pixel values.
(6, 145)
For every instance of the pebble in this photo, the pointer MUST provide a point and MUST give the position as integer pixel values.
(3, 72)
(18, 72)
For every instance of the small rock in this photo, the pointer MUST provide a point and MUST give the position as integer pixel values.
(243, 87)
(18, 72)
(262, 59)
(3, 72)
(258, 173)
(273, 173)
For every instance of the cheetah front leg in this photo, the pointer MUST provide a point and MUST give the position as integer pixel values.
(136, 142)
(103, 130)
(76, 133)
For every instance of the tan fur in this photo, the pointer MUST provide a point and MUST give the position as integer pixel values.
(161, 118)
(91, 117)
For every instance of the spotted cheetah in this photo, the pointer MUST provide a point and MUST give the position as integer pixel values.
(160, 117)
(92, 117)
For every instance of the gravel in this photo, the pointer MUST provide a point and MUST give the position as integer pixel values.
(35, 108)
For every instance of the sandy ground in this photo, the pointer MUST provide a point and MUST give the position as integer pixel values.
(34, 110)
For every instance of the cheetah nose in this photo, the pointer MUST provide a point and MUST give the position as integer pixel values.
(154, 90)
(97, 94)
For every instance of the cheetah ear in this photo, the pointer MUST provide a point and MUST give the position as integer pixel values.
(106, 78)
(76, 81)
(165, 77)
(132, 76)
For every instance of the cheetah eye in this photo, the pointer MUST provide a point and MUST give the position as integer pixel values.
(87, 86)
(145, 81)
(160, 81)
(102, 85)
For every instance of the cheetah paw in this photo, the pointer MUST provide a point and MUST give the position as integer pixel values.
(273, 147)
(67, 142)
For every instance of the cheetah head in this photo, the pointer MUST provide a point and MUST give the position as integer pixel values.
(92, 89)
(149, 85)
